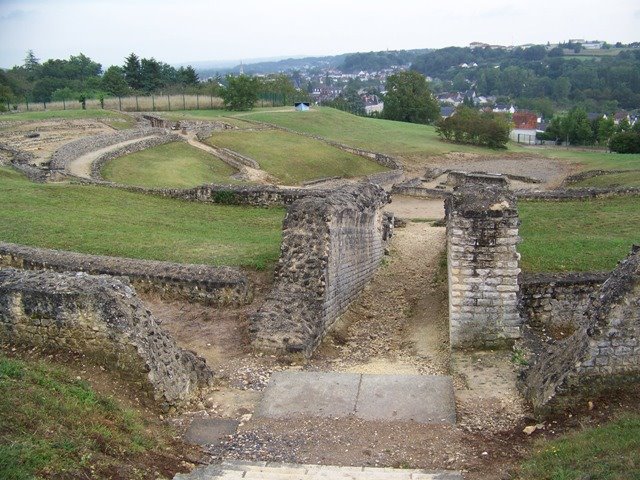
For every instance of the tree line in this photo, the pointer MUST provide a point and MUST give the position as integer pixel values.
(536, 77)
(80, 78)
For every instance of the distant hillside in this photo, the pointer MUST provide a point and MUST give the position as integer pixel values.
(275, 66)
(346, 62)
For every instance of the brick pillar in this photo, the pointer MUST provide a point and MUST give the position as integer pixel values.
(482, 234)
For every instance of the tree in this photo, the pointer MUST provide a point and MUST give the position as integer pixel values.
(241, 92)
(151, 75)
(188, 76)
(409, 99)
(113, 81)
(606, 128)
(132, 71)
(31, 65)
(467, 125)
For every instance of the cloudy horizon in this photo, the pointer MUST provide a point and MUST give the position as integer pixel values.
(247, 30)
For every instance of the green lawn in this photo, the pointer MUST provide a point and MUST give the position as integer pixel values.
(173, 165)
(293, 159)
(607, 452)
(592, 160)
(385, 136)
(106, 221)
(578, 236)
(627, 179)
(54, 425)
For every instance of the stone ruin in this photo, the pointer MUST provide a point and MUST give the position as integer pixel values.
(102, 318)
(482, 262)
(330, 248)
(489, 305)
(602, 355)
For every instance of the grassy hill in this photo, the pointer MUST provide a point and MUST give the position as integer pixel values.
(106, 221)
(173, 165)
(292, 158)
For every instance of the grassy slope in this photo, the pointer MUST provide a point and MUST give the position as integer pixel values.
(608, 452)
(385, 136)
(592, 160)
(55, 426)
(630, 179)
(175, 165)
(292, 158)
(106, 221)
(578, 236)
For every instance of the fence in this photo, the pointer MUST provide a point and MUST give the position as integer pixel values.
(150, 103)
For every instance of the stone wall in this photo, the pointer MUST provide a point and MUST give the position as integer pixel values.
(482, 234)
(252, 195)
(77, 148)
(602, 355)
(100, 317)
(101, 161)
(172, 281)
(331, 247)
(557, 302)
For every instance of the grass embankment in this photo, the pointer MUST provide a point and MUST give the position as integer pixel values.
(293, 159)
(578, 236)
(608, 452)
(115, 119)
(173, 165)
(626, 179)
(106, 221)
(385, 136)
(54, 425)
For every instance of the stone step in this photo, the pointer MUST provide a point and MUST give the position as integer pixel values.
(286, 471)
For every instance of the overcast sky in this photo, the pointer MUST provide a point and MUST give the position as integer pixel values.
(198, 30)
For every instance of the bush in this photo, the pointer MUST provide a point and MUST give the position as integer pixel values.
(470, 126)
(625, 142)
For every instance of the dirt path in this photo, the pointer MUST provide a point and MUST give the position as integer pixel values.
(399, 322)
(81, 166)
(398, 325)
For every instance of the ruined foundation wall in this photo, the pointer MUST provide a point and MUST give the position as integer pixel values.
(482, 234)
(557, 301)
(102, 318)
(171, 281)
(603, 354)
(331, 247)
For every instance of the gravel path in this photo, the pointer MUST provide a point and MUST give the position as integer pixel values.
(81, 166)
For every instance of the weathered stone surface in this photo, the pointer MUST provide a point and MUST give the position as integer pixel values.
(199, 283)
(482, 234)
(557, 301)
(602, 354)
(101, 317)
(427, 399)
(331, 247)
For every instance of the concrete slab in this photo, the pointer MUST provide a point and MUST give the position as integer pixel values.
(319, 394)
(210, 431)
(421, 398)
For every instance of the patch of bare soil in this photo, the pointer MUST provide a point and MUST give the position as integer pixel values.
(52, 134)
(549, 171)
(407, 207)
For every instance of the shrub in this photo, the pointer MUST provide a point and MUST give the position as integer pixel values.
(625, 142)
(470, 126)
